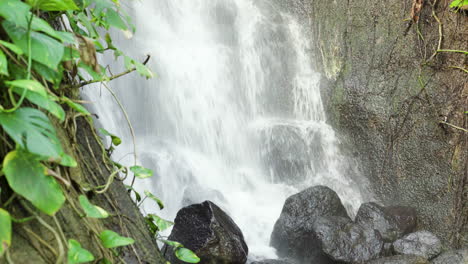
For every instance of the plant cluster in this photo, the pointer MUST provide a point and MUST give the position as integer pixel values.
(39, 67)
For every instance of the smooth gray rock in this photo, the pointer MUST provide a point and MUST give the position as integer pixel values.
(421, 243)
(345, 241)
(209, 232)
(293, 235)
(452, 257)
(400, 259)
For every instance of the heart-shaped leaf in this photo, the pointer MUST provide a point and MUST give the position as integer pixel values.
(53, 5)
(44, 49)
(141, 172)
(110, 239)
(160, 223)
(75, 106)
(187, 255)
(5, 231)
(32, 130)
(77, 254)
(91, 210)
(115, 139)
(27, 177)
(156, 199)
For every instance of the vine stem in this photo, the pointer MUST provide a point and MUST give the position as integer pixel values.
(454, 126)
(28, 77)
(109, 181)
(132, 131)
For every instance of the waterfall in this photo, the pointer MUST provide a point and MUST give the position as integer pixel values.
(234, 114)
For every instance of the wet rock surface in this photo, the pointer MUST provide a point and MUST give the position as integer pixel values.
(421, 243)
(345, 241)
(293, 235)
(209, 232)
(391, 222)
(452, 257)
(401, 259)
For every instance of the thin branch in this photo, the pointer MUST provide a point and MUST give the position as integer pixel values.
(113, 76)
(454, 126)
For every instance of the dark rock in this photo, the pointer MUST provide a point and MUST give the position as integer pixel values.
(275, 261)
(421, 243)
(387, 250)
(293, 235)
(401, 259)
(392, 222)
(452, 257)
(346, 241)
(209, 232)
(405, 217)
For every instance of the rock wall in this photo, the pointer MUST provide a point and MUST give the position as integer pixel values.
(386, 92)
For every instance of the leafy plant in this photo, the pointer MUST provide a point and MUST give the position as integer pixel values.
(5, 231)
(459, 4)
(110, 239)
(92, 210)
(77, 254)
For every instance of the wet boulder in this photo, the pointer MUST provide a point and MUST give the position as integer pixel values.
(400, 259)
(391, 223)
(210, 233)
(452, 257)
(346, 241)
(293, 234)
(421, 243)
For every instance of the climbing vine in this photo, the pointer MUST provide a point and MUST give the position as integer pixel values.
(48, 49)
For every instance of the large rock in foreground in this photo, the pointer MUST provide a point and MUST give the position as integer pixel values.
(209, 232)
(293, 235)
(401, 259)
(346, 241)
(452, 257)
(421, 243)
(391, 222)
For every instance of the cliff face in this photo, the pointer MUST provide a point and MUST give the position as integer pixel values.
(386, 92)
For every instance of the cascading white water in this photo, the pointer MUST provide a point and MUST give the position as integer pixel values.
(234, 114)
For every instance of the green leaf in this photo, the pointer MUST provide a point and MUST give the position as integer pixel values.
(143, 70)
(77, 107)
(141, 173)
(12, 47)
(53, 76)
(111, 239)
(172, 243)
(458, 3)
(115, 139)
(156, 199)
(46, 102)
(44, 49)
(77, 254)
(5, 231)
(91, 210)
(53, 5)
(14, 11)
(3, 64)
(137, 195)
(187, 255)
(114, 19)
(32, 130)
(162, 224)
(30, 85)
(26, 176)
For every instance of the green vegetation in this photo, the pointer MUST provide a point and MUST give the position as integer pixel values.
(41, 69)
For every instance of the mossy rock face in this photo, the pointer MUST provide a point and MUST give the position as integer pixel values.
(32, 242)
(386, 102)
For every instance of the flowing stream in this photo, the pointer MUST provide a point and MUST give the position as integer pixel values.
(234, 114)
